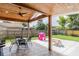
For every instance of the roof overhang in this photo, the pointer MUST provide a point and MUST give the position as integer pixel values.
(9, 11)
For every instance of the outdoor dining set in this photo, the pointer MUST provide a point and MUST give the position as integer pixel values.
(18, 41)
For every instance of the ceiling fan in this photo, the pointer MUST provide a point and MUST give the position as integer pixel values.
(22, 12)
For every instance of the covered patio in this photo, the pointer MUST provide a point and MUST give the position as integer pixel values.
(34, 50)
(28, 12)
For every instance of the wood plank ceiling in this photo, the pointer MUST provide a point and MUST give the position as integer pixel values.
(53, 8)
(10, 11)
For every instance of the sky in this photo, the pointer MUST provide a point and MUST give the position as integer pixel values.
(45, 20)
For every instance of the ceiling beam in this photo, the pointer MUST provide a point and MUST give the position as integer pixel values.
(20, 4)
(37, 18)
(12, 19)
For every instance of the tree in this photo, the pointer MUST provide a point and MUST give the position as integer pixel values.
(40, 25)
(73, 22)
(62, 22)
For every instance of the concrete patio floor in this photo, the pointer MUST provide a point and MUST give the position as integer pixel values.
(34, 50)
(40, 48)
(71, 48)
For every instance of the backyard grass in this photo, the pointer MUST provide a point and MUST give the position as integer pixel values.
(63, 37)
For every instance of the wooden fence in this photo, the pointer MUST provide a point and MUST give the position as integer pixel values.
(67, 32)
(73, 32)
(12, 32)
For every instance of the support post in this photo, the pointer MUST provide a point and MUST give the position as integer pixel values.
(49, 32)
(28, 29)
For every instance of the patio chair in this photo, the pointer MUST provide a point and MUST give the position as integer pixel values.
(21, 42)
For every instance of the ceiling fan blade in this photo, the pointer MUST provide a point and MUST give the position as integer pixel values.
(21, 14)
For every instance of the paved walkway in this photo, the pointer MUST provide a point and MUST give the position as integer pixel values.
(71, 48)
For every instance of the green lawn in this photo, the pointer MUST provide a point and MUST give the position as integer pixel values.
(34, 38)
(64, 37)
